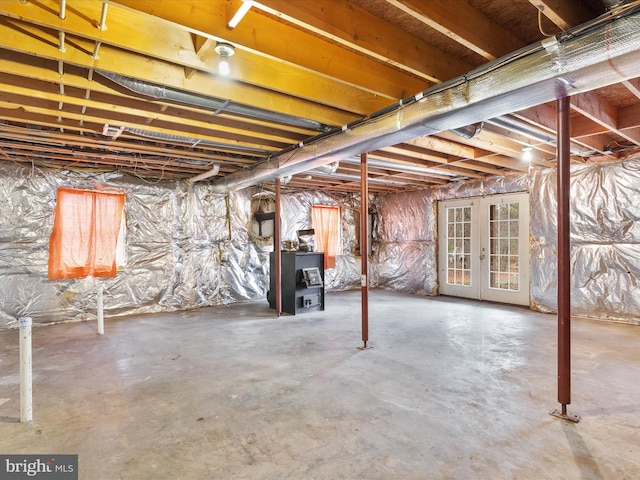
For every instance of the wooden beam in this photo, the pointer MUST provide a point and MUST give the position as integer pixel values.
(404, 157)
(505, 162)
(31, 40)
(463, 23)
(184, 124)
(124, 146)
(116, 118)
(291, 45)
(563, 13)
(477, 166)
(543, 117)
(603, 113)
(357, 29)
(633, 85)
(495, 143)
(629, 117)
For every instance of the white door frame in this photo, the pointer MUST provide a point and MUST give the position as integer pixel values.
(479, 257)
(459, 248)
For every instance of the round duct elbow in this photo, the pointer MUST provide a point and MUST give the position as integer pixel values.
(468, 131)
(329, 168)
(211, 173)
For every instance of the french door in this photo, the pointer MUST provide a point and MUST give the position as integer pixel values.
(484, 248)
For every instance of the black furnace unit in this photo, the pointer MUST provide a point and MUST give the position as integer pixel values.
(302, 277)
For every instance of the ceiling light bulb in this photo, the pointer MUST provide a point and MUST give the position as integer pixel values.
(527, 154)
(225, 50)
(223, 66)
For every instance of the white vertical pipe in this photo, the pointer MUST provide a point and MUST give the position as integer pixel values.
(103, 17)
(61, 46)
(100, 310)
(26, 400)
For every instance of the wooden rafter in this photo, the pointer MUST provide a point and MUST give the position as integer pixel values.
(464, 24)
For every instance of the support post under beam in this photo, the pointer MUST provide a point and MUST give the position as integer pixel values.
(564, 259)
(278, 251)
(364, 246)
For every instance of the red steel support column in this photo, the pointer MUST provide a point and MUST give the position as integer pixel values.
(278, 251)
(364, 245)
(564, 255)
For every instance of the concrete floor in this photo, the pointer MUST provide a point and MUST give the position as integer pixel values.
(451, 390)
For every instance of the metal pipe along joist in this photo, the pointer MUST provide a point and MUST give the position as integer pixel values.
(589, 57)
(372, 162)
(214, 104)
(528, 131)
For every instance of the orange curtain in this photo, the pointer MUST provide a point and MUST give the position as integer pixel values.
(326, 223)
(85, 234)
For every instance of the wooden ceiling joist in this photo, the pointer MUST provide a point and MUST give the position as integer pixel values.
(90, 79)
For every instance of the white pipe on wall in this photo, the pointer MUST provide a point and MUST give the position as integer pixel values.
(100, 309)
(26, 401)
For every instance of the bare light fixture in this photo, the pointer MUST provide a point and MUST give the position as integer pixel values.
(527, 154)
(225, 50)
(240, 13)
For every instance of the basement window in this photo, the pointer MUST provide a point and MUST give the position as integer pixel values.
(88, 234)
(326, 223)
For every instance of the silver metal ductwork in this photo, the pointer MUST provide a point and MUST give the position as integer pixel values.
(214, 104)
(329, 168)
(591, 56)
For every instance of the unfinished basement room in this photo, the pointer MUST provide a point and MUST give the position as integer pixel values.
(320, 239)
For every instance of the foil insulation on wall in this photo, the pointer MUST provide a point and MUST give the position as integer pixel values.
(296, 215)
(605, 240)
(405, 232)
(186, 247)
(605, 237)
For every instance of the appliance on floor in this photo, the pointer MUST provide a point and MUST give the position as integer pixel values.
(302, 280)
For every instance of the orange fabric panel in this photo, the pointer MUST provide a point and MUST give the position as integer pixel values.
(85, 234)
(325, 222)
(108, 216)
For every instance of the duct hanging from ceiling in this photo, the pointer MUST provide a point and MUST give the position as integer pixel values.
(214, 104)
(594, 55)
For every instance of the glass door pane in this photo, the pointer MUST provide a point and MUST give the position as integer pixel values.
(459, 245)
(504, 238)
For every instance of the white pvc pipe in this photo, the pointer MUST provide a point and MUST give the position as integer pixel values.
(103, 17)
(26, 400)
(100, 310)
